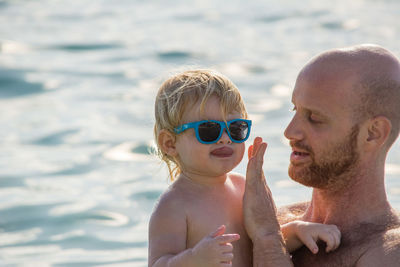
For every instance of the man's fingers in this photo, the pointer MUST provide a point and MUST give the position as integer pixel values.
(254, 172)
(259, 158)
(257, 154)
(250, 152)
(256, 145)
(258, 206)
(220, 231)
(227, 238)
(261, 151)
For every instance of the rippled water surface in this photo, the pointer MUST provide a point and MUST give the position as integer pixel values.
(77, 85)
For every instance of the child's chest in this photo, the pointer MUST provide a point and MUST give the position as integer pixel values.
(205, 215)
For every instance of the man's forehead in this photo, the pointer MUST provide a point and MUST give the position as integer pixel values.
(321, 97)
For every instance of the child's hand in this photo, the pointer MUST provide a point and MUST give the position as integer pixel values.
(215, 249)
(310, 233)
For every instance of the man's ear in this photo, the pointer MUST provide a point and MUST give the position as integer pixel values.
(378, 131)
(166, 142)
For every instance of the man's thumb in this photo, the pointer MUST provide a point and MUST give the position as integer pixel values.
(220, 231)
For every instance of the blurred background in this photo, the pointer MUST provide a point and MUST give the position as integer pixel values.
(77, 86)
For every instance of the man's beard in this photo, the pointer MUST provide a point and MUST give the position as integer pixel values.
(334, 170)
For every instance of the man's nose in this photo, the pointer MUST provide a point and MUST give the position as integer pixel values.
(224, 138)
(294, 130)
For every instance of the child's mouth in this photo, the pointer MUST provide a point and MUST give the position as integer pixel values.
(222, 152)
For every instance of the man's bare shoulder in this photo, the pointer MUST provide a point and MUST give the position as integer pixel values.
(292, 212)
(384, 250)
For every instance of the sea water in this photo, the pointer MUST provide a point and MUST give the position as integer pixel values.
(77, 86)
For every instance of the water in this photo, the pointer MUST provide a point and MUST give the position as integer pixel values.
(77, 85)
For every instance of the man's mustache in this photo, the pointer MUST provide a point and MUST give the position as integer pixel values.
(301, 146)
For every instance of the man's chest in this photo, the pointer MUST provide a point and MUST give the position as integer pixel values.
(344, 256)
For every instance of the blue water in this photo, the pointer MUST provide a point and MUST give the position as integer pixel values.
(77, 85)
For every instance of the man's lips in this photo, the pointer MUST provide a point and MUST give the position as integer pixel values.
(298, 155)
(222, 152)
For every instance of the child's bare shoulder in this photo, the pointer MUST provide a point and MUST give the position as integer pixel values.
(237, 179)
(169, 215)
(170, 201)
(167, 226)
(236, 175)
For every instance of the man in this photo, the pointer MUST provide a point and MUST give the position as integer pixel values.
(347, 116)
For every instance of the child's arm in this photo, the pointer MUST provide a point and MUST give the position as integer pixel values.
(298, 233)
(167, 241)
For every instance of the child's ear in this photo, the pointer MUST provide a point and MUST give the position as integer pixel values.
(166, 141)
(378, 131)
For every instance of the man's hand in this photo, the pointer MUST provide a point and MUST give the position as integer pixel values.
(258, 206)
(259, 213)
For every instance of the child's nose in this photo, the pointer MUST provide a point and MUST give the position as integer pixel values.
(224, 138)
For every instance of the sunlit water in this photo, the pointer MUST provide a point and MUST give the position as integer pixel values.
(77, 85)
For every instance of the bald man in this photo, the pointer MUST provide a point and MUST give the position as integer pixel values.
(347, 116)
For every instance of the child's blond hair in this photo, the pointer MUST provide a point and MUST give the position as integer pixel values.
(182, 91)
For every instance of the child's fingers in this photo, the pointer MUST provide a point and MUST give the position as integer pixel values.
(338, 235)
(310, 243)
(220, 231)
(335, 242)
(227, 257)
(330, 246)
(227, 238)
(226, 264)
(227, 247)
(332, 237)
(329, 239)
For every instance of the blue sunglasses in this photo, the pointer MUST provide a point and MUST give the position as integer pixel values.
(210, 131)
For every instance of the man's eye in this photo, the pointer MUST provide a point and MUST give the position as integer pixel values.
(313, 119)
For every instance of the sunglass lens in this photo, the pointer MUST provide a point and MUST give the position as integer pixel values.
(238, 130)
(209, 131)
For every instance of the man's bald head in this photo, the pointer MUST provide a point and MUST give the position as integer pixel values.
(375, 76)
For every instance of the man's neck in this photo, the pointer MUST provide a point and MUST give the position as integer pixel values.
(362, 200)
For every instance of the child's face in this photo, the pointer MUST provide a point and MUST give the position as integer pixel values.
(197, 159)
